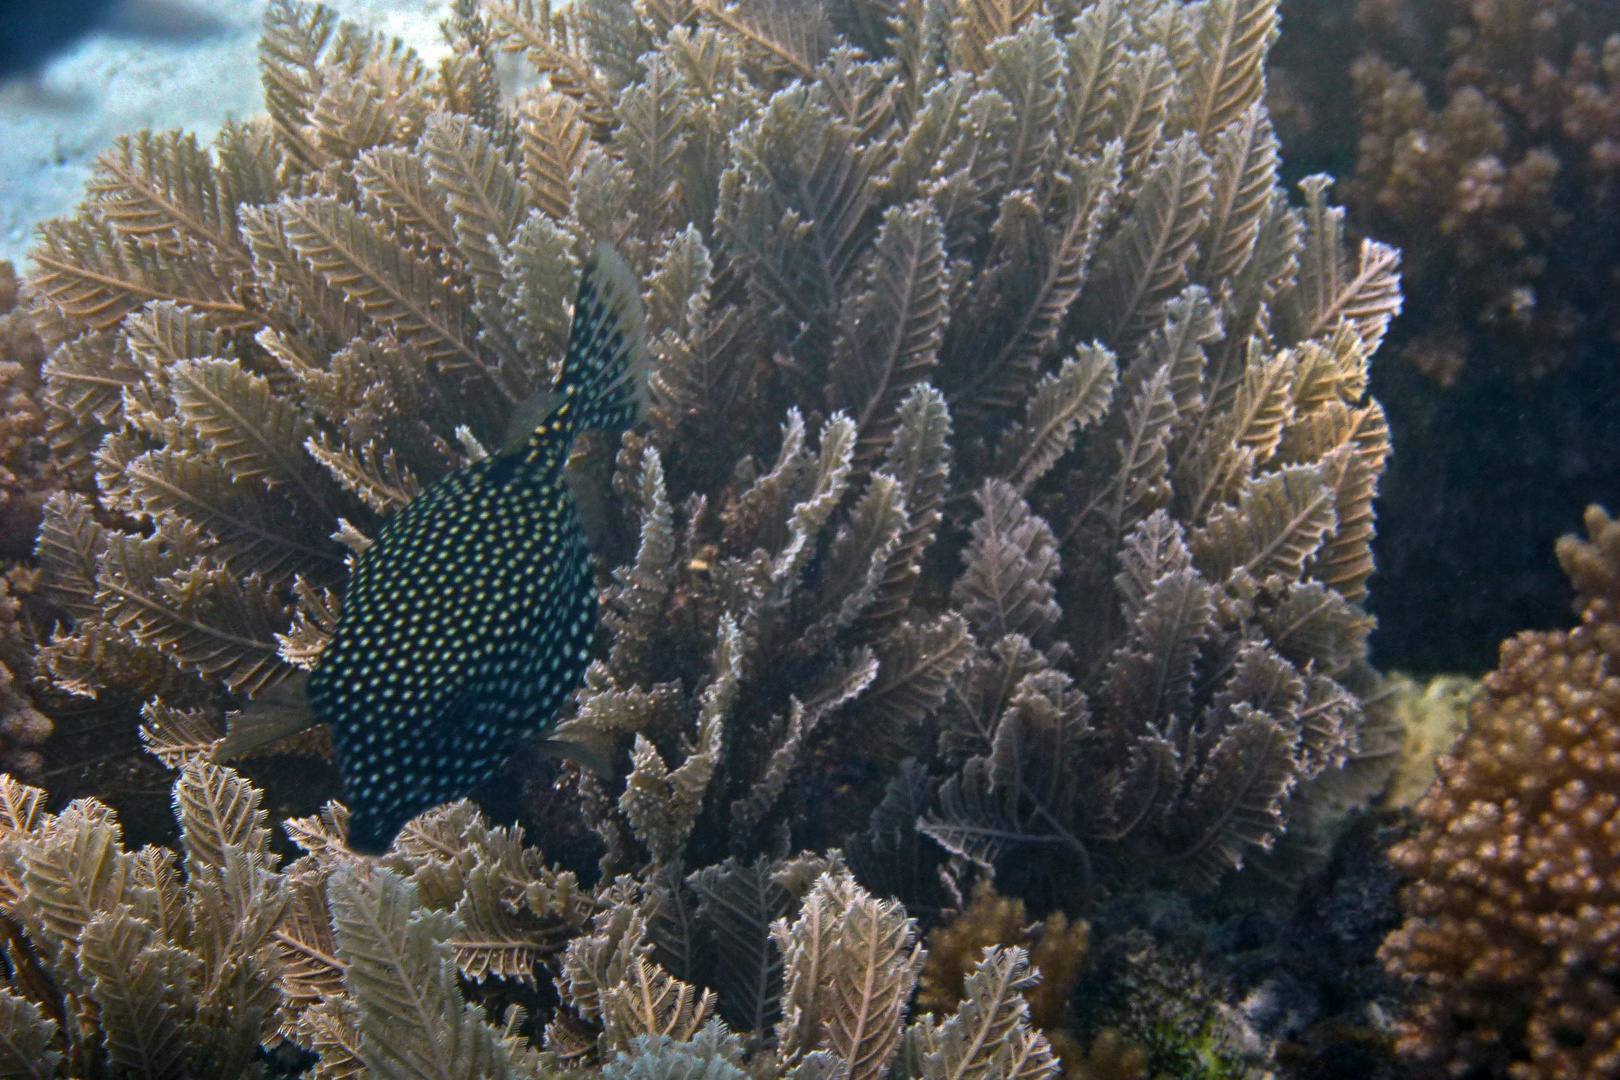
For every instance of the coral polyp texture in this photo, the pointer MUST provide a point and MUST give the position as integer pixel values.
(1512, 934)
(1007, 484)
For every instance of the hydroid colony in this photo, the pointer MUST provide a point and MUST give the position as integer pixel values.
(1006, 490)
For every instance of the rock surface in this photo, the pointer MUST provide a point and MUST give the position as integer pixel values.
(52, 126)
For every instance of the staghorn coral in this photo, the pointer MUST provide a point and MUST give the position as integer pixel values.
(1513, 919)
(1013, 282)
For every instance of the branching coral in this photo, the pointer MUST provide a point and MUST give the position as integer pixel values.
(1013, 282)
(1496, 178)
(118, 963)
(1513, 922)
(27, 476)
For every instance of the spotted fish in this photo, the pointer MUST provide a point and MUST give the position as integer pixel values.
(470, 618)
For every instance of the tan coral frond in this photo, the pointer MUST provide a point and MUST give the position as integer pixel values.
(1094, 50)
(27, 1050)
(795, 209)
(738, 904)
(989, 1035)
(1064, 403)
(177, 737)
(1227, 73)
(70, 546)
(1011, 563)
(389, 285)
(1149, 259)
(1034, 279)
(782, 37)
(651, 1001)
(1245, 159)
(915, 667)
(161, 190)
(20, 806)
(892, 327)
(1352, 444)
(97, 276)
(305, 949)
(486, 203)
(1365, 293)
(651, 137)
(871, 978)
(145, 992)
(1279, 523)
(218, 809)
(545, 38)
(255, 433)
(919, 457)
(555, 136)
(201, 615)
(256, 530)
(495, 939)
(1235, 804)
(413, 1019)
(73, 868)
(374, 475)
(291, 50)
(315, 617)
(1026, 68)
(396, 187)
(1140, 106)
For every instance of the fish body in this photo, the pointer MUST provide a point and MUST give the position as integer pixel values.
(470, 619)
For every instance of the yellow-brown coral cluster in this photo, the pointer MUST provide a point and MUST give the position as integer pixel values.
(26, 479)
(1512, 932)
(1057, 951)
(1494, 178)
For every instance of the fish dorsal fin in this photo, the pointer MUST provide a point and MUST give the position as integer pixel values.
(526, 420)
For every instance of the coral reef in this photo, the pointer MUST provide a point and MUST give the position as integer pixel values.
(1512, 934)
(1003, 407)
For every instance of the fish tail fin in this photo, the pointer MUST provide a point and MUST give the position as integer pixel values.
(606, 369)
(603, 383)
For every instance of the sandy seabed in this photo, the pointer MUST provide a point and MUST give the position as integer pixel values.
(53, 126)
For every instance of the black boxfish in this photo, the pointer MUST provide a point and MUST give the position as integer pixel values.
(470, 618)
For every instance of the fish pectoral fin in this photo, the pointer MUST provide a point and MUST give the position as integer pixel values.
(526, 418)
(588, 753)
(277, 713)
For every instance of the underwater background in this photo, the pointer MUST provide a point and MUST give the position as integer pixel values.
(1105, 571)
